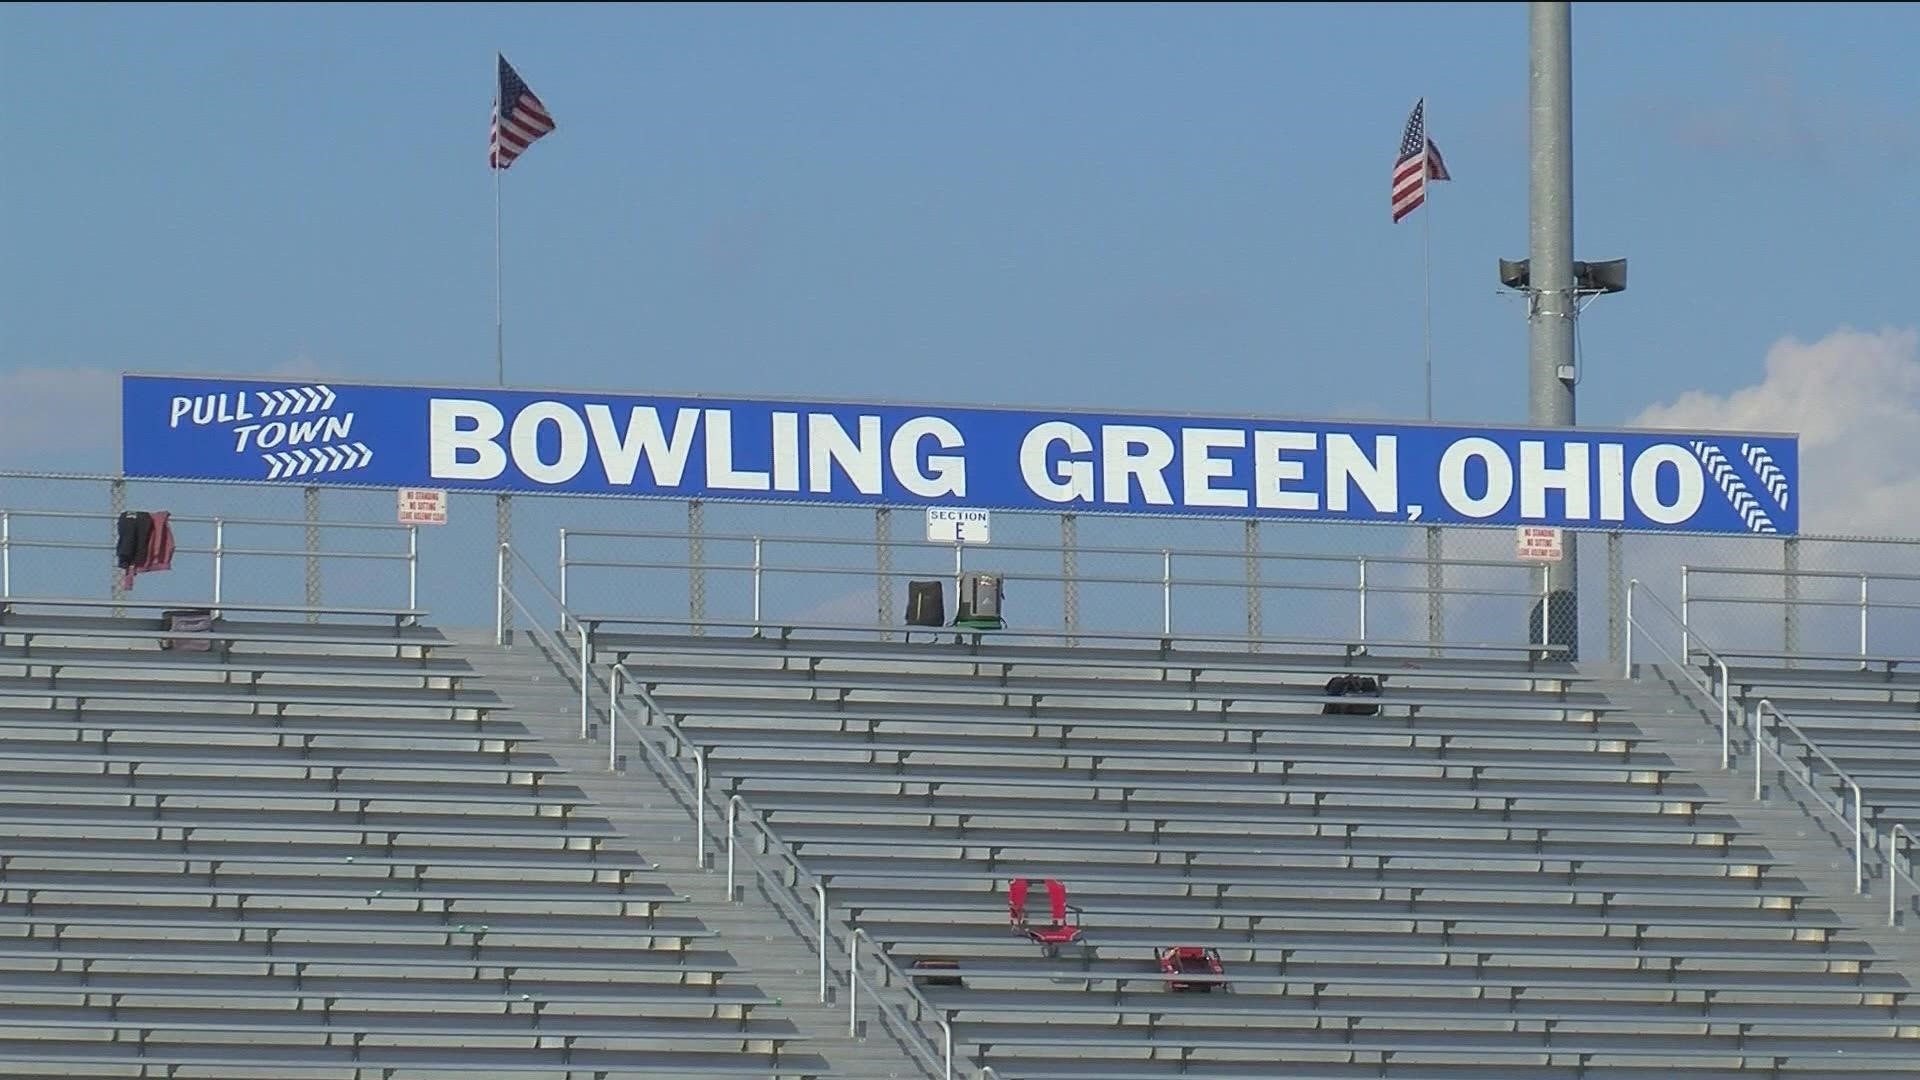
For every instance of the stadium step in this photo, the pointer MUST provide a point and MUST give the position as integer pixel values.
(1809, 844)
(779, 955)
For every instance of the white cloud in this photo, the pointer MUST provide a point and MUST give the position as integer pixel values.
(1854, 399)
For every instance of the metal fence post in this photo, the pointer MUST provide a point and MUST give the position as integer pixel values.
(1254, 613)
(696, 570)
(1616, 596)
(1436, 598)
(117, 498)
(1070, 575)
(503, 534)
(219, 557)
(1863, 619)
(1363, 599)
(310, 501)
(883, 569)
(1790, 586)
(6, 553)
(1166, 591)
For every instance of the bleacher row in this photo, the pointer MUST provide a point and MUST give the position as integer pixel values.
(322, 848)
(318, 849)
(1491, 876)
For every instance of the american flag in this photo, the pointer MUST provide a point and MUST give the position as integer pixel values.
(518, 119)
(1419, 161)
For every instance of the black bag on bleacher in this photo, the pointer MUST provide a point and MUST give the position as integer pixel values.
(926, 604)
(1352, 686)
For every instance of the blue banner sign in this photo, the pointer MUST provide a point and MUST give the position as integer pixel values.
(528, 441)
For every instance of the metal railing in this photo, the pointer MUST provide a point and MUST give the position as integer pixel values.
(1864, 603)
(1761, 749)
(1895, 873)
(1682, 664)
(504, 599)
(783, 889)
(1168, 582)
(621, 680)
(220, 551)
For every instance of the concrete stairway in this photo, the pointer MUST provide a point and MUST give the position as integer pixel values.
(1809, 841)
(780, 955)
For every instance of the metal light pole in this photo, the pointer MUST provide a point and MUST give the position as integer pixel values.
(1552, 305)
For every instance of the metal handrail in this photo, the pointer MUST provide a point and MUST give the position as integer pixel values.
(774, 845)
(1084, 579)
(1894, 873)
(854, 979)
(1746, 571)
(1864, 603)
(1859, 817)
(1685, 668)
(1161, 641)
(220, 549)
(502, 594)
(1220, 553)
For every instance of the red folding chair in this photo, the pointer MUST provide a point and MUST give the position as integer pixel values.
(1055, 933)
(1180, 962)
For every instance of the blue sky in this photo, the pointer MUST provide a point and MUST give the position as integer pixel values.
(1179, 207)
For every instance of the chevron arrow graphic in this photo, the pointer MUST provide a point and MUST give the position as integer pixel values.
(326, 397)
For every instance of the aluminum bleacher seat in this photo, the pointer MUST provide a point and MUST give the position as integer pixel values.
(1491, 875)
(318, 850)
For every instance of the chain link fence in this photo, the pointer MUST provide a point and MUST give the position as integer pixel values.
(703, 562)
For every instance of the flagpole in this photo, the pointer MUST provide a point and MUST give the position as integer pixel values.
(499, 338)
(1426, 284)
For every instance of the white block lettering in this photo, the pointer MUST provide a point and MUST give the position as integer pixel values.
(1271, 471)
(1453, 477)
(828, 445)
(469, 452)
(1378, 479)
(525, 440)
(1199, 468)
(720, 470)
(1073, 480)
(1119, 462)
(620, 452)
(947, 473)
(1571, 478)
(1613, 482)
(1646, 484)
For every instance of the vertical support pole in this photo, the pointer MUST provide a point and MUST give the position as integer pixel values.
(1616, 594)
(500, 595)
(502, 538)
(882, 570)
(820, 891)
(1254, 614)
(1790, 590)
(959, 568)
(6, 553)
(1070, 576)
(1759, 749)
(1436, 588)
(219, 557)
(1863, 620)
(1166, 592)
(413, 567)
(696, 566)
(1860, 846)
(310, 501)
(117, 498)
(1552, 306)
(613, 724)
(1363, 599)
(1686, 615)
(586, 661)
(1626, 648)
(563, 576)
(759, 567)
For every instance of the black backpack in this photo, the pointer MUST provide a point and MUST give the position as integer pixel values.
(1352, 686)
